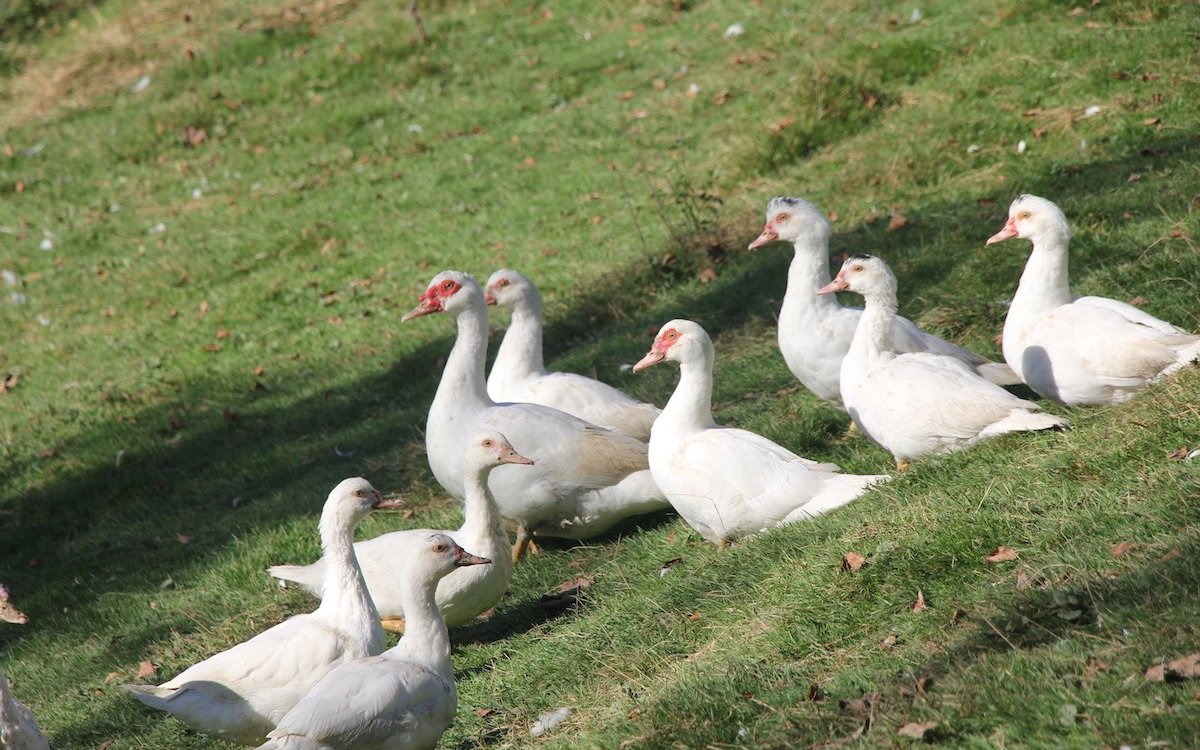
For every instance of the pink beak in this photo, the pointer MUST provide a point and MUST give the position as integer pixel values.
(510, 456)
(653, 357)
(385, 503)
(463, 558)
(837, 285)
(768, 235)
(489, 298)
(429, 304)
(1009, 230)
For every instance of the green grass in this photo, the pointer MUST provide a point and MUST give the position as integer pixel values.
(344, 165)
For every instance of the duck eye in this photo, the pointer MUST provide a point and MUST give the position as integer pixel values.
(504, 282)
(447, 285)
(487, 443)
(672, 335)
(359, 493)
(439, 548)
(780, 218)
(857, 267)
(1023, 215)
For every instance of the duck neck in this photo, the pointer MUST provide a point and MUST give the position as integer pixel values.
(481, 517)
(425, 640)
(462, 386)
(808, 272)
(345, 598)
(520, 353)
(1044, 282)
(875, 337)
(690, 406)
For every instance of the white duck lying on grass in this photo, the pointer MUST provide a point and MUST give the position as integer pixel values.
(402, 698)
(585, 478)
(815, 331)
(519, 372)
(463, 594)
(914, 403)
(1086, 350)
(241, 693)
(726, 482)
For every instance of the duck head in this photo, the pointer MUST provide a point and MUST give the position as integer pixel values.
(1033, 218)
(789, 219)
(449, 291)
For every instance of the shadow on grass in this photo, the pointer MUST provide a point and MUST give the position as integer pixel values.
(60, 552)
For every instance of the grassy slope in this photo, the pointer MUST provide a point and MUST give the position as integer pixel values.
(124, 431)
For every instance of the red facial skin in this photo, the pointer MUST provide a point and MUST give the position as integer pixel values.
(433, 300)
(658, 351)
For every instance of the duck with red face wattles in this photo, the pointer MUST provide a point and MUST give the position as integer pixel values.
(519, 372)
(584, 479)
(1079, 351)
(725, 482)
(402, 698)
(815, 330)
(463, 594)
(915, 403)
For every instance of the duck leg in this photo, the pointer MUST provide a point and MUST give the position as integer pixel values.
(524, 542)
(393, 624)
(901, 465)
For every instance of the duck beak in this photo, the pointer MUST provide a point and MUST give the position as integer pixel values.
(768, 235)
(837, 285)
(653, 357)
(386, 503)
(489, 298)
(1009, 230)
(464, 558)
(429, 304)
(510, 456)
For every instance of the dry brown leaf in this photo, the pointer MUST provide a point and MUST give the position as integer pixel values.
(955, 616)
(1152, 121)
(782, 124)
(708, 275)
(919, 605)
(1001, 554)
(858, 705)
(721, 98)
(203, 308)
(8, 382)
(898, 221)
(146, 669)
(259, 370)
(1176, 670)
(483, 713)
(183, 538)
(222, 334)
(853, 561)
(211, 347)
(1093, 667)
(889, 641)
(194, 136)
(916, 730)
(696, 615)
(1179, 453)
(1172, 554)
(814, 693)
(111, 677)
(1022, 580)
(1117, 550)
(578, 582)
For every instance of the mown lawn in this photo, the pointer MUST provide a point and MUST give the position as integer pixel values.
(213, 215)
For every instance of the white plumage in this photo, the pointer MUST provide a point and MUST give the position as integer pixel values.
(18, 729)
(519, 371)
(727, 482)
(403, 698)
(464, 593)
(914, 403)
(814, 330)
(240, 694)
(1086, 350)
(584, 479)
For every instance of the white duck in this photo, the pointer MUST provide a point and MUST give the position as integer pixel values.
(402, 698)
(585, 478)
(463, 594)
(1079, 351)
(18, 729)
(815, 331)
(519, 372)
(726, 482)
(240, 694)
(914, 403)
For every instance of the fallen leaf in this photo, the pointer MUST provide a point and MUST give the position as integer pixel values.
(1172, 554)
(8, 382)
(230, 415)
(1001, 554)
(814, 693)
(1178, 453)
(483, 713)
(222, 334)
(1118, 550)
(956, 616)
(721, 98)
(329, 245)
(203, 308)
(1176, 670)
(888, 642)
(1093, 667)
(858, 705)
(1039, 132)
(111, 677)
(783, 124)
(329, 298)
(916, 730)
(853, 561)
(575, 584)
(211, 347)
(696, 615)
(898, 221)
(194, 136)
(919, 605)
(1022, 580)
(259, 370)
(708, 275)
(146, 669)
(1152, 121)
